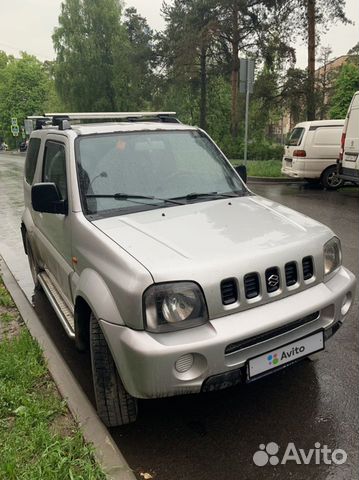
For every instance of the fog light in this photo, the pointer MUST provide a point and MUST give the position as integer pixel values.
(346, 304)
(184, 363)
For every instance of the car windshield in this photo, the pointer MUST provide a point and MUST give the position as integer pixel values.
(133, 171)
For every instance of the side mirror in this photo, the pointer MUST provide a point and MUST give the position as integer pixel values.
(242, 172)
(46, 198)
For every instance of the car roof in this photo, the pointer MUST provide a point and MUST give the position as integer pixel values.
(320, 123)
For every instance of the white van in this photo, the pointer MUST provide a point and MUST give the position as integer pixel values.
(312, 152)
(349, 154)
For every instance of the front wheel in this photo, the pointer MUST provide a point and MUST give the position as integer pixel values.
(114, 405)
(330, 179)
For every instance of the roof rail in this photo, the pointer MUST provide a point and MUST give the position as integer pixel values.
(62, 120)
(110, 115)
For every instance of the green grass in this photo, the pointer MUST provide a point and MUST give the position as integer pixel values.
(38, 437)
(261, 168)
(5, 299)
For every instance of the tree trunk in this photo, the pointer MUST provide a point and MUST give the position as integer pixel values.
(203, 102)
(311, 60)
(235, 70)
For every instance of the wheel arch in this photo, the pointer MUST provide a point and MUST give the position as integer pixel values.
(93, 295)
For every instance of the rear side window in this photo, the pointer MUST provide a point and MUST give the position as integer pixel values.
(296, 137)
(54, 169)
(31, 159)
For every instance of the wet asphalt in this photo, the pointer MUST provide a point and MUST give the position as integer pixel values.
(214, 436)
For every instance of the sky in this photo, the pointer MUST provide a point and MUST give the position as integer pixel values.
(28, 25)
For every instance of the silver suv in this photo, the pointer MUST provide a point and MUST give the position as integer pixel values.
(157, 257)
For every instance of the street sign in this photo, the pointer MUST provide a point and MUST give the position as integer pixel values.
(14, 122)
(246, 75)
(15, 130)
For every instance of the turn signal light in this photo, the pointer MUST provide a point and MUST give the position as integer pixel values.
(299, 153)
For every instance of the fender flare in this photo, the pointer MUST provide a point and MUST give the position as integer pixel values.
(93, 289)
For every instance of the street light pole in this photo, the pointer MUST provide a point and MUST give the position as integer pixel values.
(246, 126)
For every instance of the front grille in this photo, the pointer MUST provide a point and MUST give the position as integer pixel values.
(229, 291)
(257, 285)
(251, 285)
(272, 279)
(291, 274)
(307, 268)
(248, 342)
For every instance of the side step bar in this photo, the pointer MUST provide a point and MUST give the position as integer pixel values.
(61, 309)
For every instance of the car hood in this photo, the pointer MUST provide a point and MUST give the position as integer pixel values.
(175, 242)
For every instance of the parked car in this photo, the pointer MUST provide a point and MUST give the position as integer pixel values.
(312, 151)
(158, 259)
(3, 146)
(349, 154)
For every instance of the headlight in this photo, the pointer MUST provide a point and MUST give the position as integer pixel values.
(332, 255)
(174, 306)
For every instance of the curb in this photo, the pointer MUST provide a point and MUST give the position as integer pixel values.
(94, 431)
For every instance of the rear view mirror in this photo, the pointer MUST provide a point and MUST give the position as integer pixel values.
(46, 198)
(242, 172)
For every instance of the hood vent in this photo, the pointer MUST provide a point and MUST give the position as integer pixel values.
(307, 268)
(229, 291)
(291, 274)
(251, 285)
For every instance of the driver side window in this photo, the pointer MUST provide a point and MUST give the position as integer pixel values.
(54, 169)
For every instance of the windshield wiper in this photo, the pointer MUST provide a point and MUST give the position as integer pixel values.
(128, 196)
(194, 195)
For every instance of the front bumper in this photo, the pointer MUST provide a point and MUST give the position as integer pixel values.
(146, 362)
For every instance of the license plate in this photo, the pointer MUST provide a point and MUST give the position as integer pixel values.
(350, 157)
(285, 354)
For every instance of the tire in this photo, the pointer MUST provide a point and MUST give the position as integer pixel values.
(114, 405)
(34, 267)
(330, 180)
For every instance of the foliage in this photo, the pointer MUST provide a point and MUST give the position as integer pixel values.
(104, 59)
(108, 58)
(346, 85)
(140, 59)
(25, 89)
(90, 43)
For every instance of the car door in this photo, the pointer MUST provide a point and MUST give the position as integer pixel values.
(53, 230)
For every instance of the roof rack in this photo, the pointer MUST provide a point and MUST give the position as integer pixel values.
(62, 120)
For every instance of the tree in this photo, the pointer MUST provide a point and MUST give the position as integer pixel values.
(186, 45)
(345, 86)
(246, 26)
(140, 60)
(354, 54)
(90, 43)
(323, 82)
(311, 17)
(24, 87)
